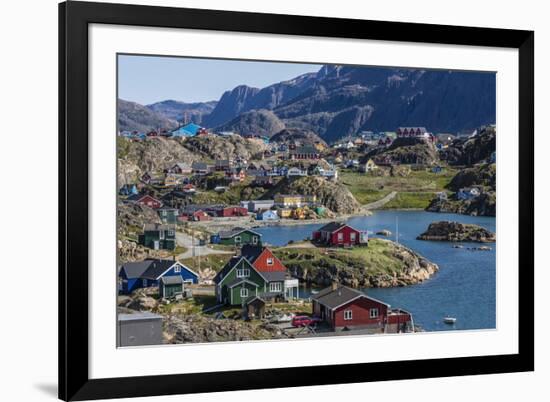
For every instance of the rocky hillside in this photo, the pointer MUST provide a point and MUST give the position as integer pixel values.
(157, 154)
(334, 196)
(299, 135)
(260, 122)
(469, 151)
(382, 264)
(408, 151)
(133, 116)
(484, 205)
(456, 231)
(182, 111)
(340, 100)
(480, 176)
(216, 147)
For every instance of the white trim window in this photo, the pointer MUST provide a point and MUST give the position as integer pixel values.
(373, 313)
(177, 269)
(161, 234)
(270, 261)
(348, 315)
(352, 236)
(244, 292)
(254, 239)
(340, 237)
(237, 239)
(275, 287)
(243, 273)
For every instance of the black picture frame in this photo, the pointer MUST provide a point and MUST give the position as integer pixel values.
(74, 18)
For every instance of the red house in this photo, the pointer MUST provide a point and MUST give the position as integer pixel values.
(262, 258)
(229, 211)
(342, 307)
(339, 234)
(145, 199)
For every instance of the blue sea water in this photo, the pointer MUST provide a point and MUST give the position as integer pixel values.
(464, 287)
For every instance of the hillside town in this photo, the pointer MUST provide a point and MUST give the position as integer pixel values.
(195, 268)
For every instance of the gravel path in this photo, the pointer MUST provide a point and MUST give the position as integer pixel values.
(381, 202)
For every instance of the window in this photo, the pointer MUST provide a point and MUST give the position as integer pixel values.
(244, 292)
(340, 237)
(373, 313)
(270, 261)
(144, 282)
(161, 234)
(171, 233)
(254, 239)
(237, 239)
(177, 269)
(352, 236)
(275, 287)
(243, 273)
(348, 314)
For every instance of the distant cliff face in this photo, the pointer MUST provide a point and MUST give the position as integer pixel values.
(133, 116)
(342, 100)
(260, 122)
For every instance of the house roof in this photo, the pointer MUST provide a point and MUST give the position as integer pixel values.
(155, 226)
(306, 149)
(334, 298)
(225, 234)
(137, 197)
(254, 298)
(146, 315)
(332, 227)
(274, 276)
(157, 268)
(251, 252)
(199, 166)
(135, 269)
(172, 280)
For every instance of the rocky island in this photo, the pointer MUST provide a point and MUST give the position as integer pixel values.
(382, 263)
(456, 231)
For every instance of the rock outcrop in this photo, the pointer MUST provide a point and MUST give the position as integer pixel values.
(471, 150)
(386, 264)
(333, 195)
(407, 151)
(199, 329)
(456, 231)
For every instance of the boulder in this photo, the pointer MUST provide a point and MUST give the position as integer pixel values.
(456, 231)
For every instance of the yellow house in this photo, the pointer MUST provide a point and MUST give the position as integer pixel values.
(285, 213)
(294, 201)
(369, 166)
(171, 180)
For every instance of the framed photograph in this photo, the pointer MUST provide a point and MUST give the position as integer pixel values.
(259, 201)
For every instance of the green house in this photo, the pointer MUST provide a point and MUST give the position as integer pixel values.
(170, 286)
(158, 237)
(168, 215)
(239, 237)
(239, 280)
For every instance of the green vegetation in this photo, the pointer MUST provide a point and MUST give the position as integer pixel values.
(415, 188)
(212, 261)
(194, 305)
(377, 257)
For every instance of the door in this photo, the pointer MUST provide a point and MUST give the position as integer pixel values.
(156, 245)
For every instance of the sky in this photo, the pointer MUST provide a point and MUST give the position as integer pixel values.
(150, 79)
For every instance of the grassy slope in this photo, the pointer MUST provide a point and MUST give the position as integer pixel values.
(414, 191)
(212, 261)
(376, 258)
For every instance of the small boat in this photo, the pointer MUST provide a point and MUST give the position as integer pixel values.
(449, 320)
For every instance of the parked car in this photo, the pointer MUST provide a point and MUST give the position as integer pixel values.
(304, 321)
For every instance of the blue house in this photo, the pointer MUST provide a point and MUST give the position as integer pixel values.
(188, 130)
(268, 215)
(145, 274)
(128, 189)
